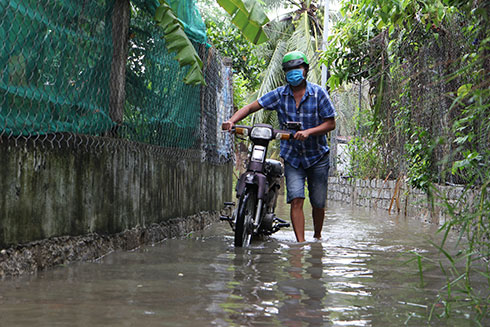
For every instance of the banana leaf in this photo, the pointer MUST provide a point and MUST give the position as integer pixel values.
(177, 41)
(248, 16)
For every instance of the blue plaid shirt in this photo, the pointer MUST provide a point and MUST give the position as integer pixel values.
(314, 108)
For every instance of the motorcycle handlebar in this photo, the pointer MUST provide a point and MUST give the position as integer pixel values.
(245, 130)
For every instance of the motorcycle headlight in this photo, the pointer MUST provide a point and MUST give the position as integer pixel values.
(261, 133)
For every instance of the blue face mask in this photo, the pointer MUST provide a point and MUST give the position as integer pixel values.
(295, 77)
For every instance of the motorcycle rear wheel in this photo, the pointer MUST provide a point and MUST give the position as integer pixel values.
(245, 217)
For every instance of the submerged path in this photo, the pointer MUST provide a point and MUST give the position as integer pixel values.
(357, 276)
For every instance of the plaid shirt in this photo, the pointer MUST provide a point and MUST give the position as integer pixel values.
(314, 108)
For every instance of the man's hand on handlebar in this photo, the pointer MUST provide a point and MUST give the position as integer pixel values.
(301, 135)
(227, 126)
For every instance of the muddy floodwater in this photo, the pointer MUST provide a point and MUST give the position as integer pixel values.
(356, 276)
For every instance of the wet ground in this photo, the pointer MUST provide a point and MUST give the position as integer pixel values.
(356, 276)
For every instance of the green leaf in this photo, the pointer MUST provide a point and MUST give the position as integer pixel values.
(249, 17)
(177, 41)
(391, 44)
(384, 16)
(461, 140)
(391, 29)
(464, 90)
(404, 4)
(458, 165)
(334, 81)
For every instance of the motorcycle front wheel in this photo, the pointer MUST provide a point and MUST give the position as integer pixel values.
(245, 217)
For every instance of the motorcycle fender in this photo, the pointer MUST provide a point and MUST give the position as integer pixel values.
(256, 179)
(240, 186)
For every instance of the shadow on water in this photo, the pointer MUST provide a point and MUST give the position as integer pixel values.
(356, 276)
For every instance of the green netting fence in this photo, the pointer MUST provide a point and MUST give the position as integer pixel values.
(56, 76)
(54, 72)
(159, 108)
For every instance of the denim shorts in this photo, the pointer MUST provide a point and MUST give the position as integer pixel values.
(317, 178)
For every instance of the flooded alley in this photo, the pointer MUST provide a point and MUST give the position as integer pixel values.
(126, 125)
(357, 276)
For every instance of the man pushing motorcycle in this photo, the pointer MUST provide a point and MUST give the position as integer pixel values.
(306, 158)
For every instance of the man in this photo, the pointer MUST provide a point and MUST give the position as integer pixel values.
(306, 157)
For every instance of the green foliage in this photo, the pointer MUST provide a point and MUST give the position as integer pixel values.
(472, 128)
(364, 153)
(370, 33)
(419, 158)
(472, 139)
(363, 156)
(382, 42)
(240, 91)
(427, 63)
(231, 43)
(247, 16)
(473, 123)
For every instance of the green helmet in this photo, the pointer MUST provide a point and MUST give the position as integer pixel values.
(294, 59)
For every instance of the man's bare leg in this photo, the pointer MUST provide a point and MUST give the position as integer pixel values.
(318, 217)
(298, 219)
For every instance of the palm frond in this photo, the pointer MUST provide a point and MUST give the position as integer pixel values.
(304, 40)
(272, 4)
(273, 75)
(273, 78)
(270, 117)
(276, 31)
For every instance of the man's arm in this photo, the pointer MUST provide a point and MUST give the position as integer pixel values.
(322, 129)
(240, 114)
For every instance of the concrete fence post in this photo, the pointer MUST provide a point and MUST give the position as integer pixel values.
(120, 37)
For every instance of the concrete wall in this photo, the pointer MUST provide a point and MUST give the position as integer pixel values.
(77, 187)
(397, 197)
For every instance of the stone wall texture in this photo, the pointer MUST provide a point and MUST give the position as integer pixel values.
(397, 197)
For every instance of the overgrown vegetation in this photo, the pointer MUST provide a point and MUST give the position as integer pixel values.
(428, 67)
(229, 41)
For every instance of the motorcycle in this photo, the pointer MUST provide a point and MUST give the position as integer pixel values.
(257, 188)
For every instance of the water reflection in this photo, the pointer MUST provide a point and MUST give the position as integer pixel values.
(304, 289)
(356, 276)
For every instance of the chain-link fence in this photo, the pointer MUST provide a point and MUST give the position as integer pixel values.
(100, 68)
(55, 72)
(419, 108)
(403, 120)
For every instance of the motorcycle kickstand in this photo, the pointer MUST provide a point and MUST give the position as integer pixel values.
(228, 205)
(280, 223)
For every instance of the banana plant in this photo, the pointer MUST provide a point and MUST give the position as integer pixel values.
(246, 15)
